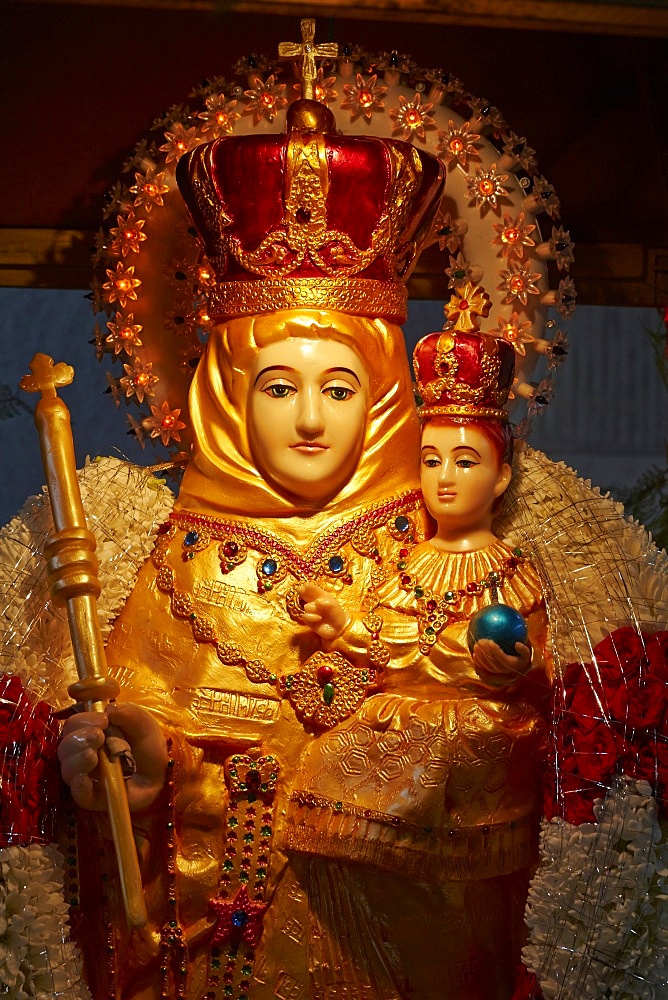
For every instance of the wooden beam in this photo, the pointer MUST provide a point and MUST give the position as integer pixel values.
(599, 17)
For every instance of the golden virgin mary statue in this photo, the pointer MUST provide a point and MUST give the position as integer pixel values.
(303, 479)
(303, 470)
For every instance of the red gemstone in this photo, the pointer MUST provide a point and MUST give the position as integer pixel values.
(431, 605)
(471, 588)
(403, 553)
(230, 549)
(512, 563)
(405, 580)
(325, 674)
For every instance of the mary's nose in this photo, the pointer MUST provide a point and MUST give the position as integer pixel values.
(310, 412)
(446, 473)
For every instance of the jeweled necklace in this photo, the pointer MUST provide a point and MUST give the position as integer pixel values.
(328, 688)
(435, 612)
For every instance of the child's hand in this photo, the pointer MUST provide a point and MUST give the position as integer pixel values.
(496, 668)
(322, 612)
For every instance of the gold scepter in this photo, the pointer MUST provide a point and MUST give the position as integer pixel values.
(72, 572)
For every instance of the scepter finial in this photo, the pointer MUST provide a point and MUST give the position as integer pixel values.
(46, 376)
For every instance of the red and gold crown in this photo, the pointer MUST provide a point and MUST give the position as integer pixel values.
(309, 218)
(463, 374)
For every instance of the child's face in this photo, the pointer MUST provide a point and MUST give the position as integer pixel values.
(461, 475)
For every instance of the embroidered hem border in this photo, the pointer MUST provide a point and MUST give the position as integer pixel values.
(342, 830)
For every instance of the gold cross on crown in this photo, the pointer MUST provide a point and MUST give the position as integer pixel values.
(308, 50)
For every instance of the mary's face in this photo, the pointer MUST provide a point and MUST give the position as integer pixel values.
(307, 415)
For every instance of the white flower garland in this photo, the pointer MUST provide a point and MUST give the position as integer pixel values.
(597, 909)
(37, 959)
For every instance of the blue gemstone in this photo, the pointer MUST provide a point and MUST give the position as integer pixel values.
(239, 918)
(503, 624)
(402, 523)
(191, 538)
(269, 567)
(336, 564)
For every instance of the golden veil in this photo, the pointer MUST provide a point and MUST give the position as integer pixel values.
(222, 477)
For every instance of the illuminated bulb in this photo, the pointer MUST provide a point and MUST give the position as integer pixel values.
(456, 145)
(267, 100)
(511, 235)
(365, 98)
(123, 285)
(517, 283)
(413, 117)
(167, 421)
(126, 333)
(486, 187)
(142, 379)
(150, 189)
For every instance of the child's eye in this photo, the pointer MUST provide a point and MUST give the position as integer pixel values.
(279, 391)
(338, 392)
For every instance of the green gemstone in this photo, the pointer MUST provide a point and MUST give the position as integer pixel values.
(419, 592)
(401, 565)
(328, 694)
(228, 865)
(265, 831)
(430, 630)
(249, 838)
(288, 681)
(246, 970)
(233, 821)
(449, 595)
(365, 676)
(517, 552)
(338, 806)
(243, 876)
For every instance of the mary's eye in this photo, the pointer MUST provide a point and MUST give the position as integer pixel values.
(338, 392)
(431, 463)
(465, 463)
(278, 390)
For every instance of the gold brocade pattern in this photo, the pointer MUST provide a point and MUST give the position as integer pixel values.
(438, 774)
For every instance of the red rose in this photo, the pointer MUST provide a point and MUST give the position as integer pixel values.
(646, 701)
(597, 754)
(575, 799)
(656, 651)
(624, 649)
(586, 703)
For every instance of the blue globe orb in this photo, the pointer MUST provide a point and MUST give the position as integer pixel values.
(499, 622)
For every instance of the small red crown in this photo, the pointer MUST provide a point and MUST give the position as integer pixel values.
(310, 218)
(463, 374)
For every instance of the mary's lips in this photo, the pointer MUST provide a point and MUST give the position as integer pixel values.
(309, 446)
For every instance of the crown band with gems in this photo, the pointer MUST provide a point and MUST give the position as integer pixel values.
(360, 296)
(487, 413)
